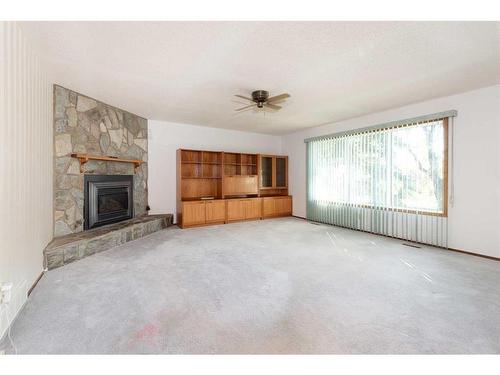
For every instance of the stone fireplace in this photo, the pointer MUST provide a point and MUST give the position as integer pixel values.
(86, 126)
(104, 204)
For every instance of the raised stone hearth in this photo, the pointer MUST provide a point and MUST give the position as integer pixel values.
(66, 249)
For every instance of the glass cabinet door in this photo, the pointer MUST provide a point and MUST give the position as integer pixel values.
(267, 171)
(280, 171)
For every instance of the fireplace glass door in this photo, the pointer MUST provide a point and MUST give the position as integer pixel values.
(112, 201)
(108, 199)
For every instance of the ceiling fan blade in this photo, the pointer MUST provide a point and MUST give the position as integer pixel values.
(246, 107)
(278, 97)
(272, 106)
(239, 102)
(244, 97)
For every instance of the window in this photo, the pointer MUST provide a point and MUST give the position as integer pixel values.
(381, 180)
(402, 168)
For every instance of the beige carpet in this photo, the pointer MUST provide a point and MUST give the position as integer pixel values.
(271, 286)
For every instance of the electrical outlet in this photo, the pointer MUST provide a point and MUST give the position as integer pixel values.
(5, 293)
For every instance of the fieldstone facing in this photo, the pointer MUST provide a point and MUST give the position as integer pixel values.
(116, 136)
(63, 144)
(84, 125)
(58, 215)
(62, 227)
(83, 103)
(72, 116)
(142, 143)
(75, 246)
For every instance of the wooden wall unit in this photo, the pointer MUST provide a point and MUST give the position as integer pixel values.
(220, 187)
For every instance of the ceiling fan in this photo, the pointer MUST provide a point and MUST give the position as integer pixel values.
(261, 99)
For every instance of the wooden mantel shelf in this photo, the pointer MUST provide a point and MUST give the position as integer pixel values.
(84, 158)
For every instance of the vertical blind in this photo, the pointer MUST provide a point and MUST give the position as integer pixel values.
(387, 180)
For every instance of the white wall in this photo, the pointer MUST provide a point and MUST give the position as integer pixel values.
(25, 166)
(474, 219)
(164, 138)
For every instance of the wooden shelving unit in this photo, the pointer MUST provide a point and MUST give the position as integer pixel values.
(219, 187)
(84, 158)
(240, 174)
(199, 175)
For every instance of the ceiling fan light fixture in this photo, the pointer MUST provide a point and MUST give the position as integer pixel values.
(260, 95)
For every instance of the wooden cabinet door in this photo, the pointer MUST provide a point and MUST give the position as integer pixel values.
(268, 207)
(253, 208)
(276, 206)
(279, 206)
(193, 213)
(231, 185)
(273, 172)
(281, 172)
(287, 206)
(240, 185)
(249, 184)
(236, 209)
(283, 206)
(215, 211)
(267, 171)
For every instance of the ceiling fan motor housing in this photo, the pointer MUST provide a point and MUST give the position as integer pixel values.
(260, 97)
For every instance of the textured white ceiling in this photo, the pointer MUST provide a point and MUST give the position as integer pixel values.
(188, 72)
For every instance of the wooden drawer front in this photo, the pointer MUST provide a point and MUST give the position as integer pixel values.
(253, 208)
(193, 213)
(215, 211)
(235, 209)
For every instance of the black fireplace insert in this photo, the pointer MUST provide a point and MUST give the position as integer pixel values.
(107, 199)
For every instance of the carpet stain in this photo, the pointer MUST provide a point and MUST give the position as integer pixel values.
(148, 332)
